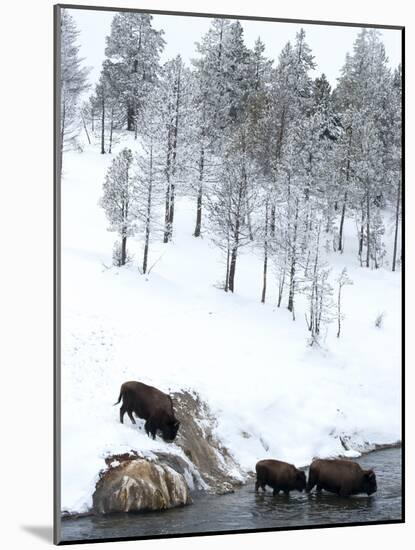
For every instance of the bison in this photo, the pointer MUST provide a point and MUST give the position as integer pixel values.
(280, 476)
(152, 405)
(342, 477)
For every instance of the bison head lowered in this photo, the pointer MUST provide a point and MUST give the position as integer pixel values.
(369, 484)
(169, 429)
(300, 481)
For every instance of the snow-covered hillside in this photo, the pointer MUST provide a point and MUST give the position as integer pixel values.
(272, 394)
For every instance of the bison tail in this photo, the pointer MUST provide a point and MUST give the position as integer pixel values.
(119, 399)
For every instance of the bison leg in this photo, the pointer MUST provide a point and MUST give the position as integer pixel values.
(146, 427)
(259, 485)
(275, 492)
(122, 413)
(130, 414)
(150, 428)
(343, 492)
(311, 481)
(319, 488)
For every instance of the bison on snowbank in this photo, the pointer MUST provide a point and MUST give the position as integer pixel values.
(152, 405)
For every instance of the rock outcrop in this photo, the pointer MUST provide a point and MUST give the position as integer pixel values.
(197, 440)
(137, 484)
(133, 482)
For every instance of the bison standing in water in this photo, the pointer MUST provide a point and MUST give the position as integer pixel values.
(280, 476)
(342, 477)
(152, 405)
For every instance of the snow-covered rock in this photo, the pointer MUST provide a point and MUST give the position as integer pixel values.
(202, 447)
(137, 485)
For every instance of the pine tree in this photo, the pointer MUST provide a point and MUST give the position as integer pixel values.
(395, 156)
(362, 97)
(118, 202)
(230, 204)
(148, 187)
(342, 281)
(318, 289)
(220, 88)
(172, 98)
(200, 144)
(134, 49)
(73, 83)
(105, 109)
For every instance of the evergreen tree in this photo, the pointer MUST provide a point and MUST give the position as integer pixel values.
(230, 204)
(361, 96)
(395, 156)
(318, 289)
(118, 202)
(221, 89)
(342, 281)
(148, 187)
(172, 112)
(134, 50)
(73, 83)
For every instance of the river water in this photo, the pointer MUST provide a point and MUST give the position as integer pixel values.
(245, 509)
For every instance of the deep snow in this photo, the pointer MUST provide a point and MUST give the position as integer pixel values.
(272, 395)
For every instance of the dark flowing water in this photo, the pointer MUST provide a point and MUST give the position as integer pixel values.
(244, 509)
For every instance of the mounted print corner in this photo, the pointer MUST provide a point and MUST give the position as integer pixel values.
(228, 195)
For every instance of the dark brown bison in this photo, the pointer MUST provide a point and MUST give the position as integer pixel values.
(280, 476)
(342, 477)
(152, 405)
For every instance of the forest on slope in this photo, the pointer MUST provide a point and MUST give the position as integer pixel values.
(268, 154)
(240, 193)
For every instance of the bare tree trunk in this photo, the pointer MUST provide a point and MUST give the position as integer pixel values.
(62, 136)
(174, 154)
(200, 195)
(232, 268)
(198, 213)
(236, 236)
(339, 312)
(290, 306)
(166, 237)
(248, 209)
(341, 245)
(171, 212)
(314, 324)
(148, 216)
(264, 275)
(167, 214)
(281, 285)
(228, 255)
(103, 125)
(272, 221)
(367, 229)
(361, 235)
(111, 130)
(130, 118)
(85, 128)
(395, 240)
(123, 250)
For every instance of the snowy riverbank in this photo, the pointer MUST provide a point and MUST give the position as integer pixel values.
(270, 393)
